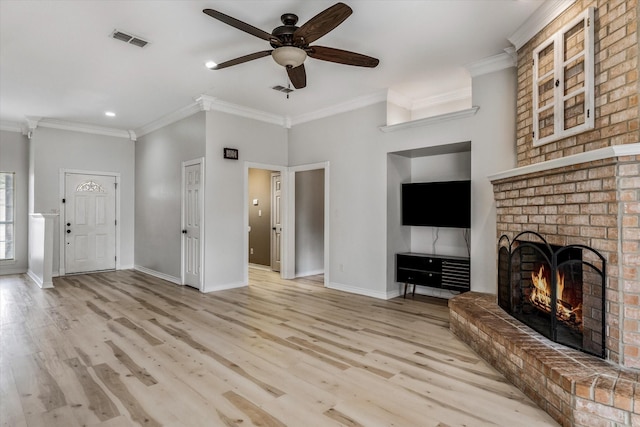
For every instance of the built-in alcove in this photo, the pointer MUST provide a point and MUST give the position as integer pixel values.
(448, 162)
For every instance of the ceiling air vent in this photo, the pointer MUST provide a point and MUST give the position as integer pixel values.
(127, 38)
(282, 89)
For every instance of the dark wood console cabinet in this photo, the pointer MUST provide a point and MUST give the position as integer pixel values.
(443, 272)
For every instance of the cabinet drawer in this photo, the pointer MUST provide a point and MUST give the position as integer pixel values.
(417, 277)
(419, 262)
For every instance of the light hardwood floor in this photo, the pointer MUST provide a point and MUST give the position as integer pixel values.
(123, 348)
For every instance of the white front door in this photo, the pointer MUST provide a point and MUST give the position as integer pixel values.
(90, 223)
(192, 223)
(276, 221)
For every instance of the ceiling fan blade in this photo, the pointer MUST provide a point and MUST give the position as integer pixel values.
(298, 76)
(321, 24)
(341, 56)
(242, 59)
(243, 26)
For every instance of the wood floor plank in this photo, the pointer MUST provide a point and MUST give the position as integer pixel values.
(124, 348)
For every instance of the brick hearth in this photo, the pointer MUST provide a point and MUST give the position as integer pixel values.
(576, 389)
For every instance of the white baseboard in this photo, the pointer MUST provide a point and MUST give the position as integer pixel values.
(309, 273)
(362, 291)
(224, 287)
(39, 281)
(5, 271)
(157, 274)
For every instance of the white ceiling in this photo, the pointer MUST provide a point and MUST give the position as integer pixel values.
(57, 60)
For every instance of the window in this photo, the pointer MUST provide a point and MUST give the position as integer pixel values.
(563, 82)
(7, 180)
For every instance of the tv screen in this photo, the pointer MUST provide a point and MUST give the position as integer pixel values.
(437, 204)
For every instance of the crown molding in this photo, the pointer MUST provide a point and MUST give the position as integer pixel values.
(543, 16)
(492, 64)
(363, 101)
(13, 127)
(170, 118)
(399, 99)
(428, 121)
(457, 95)
(34, 123)
(209, 103)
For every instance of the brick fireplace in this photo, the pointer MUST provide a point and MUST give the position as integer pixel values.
(579, 188)
(590, 199)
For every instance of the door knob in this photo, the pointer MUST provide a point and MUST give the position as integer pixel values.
(184, 231)
(68, 231)
(68, 224)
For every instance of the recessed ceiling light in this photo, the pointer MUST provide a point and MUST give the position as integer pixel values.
(110, 114)
(210, 64)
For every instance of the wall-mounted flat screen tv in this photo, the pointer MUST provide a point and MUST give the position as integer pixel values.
(437, 204)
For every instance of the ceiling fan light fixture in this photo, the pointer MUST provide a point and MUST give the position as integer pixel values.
(289, 56)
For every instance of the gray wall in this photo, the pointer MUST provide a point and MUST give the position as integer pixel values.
(14, 157)
(158, 208)
(309, 218)
(260, 234)
(226, 195)
(364, 219)
(53, 149)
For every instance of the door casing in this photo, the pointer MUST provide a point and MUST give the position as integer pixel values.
(61, 225)
(202, 221)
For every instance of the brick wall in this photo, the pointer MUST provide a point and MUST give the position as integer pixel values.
(596, 204)
(616, 80)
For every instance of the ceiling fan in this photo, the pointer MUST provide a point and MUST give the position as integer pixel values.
(291, 43)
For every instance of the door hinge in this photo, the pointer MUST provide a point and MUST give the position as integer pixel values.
(115, 258)
(533, 134)
(116, 222)
(588, 112)
(115, 185)
(64, 200)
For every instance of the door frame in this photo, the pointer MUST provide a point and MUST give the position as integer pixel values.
(291, 223)
(285, 214)
(201, 161)
(62, 263)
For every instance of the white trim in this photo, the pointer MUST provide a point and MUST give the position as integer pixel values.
(354, 104)
(457, 95)
(492, 64)
(157, 274)
(81, 127)
(543, 16)
(226, 287)
(62, 184)
(309, 273)
(209, 103)
(575, 159)
(385, 295)
(201, 162)
(428, 121)
(291, 224)
(285, 256)
(399, 99)
(170, 118)
(5, 271)
(12, 126)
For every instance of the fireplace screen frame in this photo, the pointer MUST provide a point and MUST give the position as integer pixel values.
(556, 258)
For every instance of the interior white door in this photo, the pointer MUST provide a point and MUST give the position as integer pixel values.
(276, 221)
(90, 223)
(192, 221)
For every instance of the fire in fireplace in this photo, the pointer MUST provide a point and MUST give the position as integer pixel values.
(557, 291)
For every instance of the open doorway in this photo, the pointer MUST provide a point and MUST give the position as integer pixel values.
(264, 197)
(309, 223)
